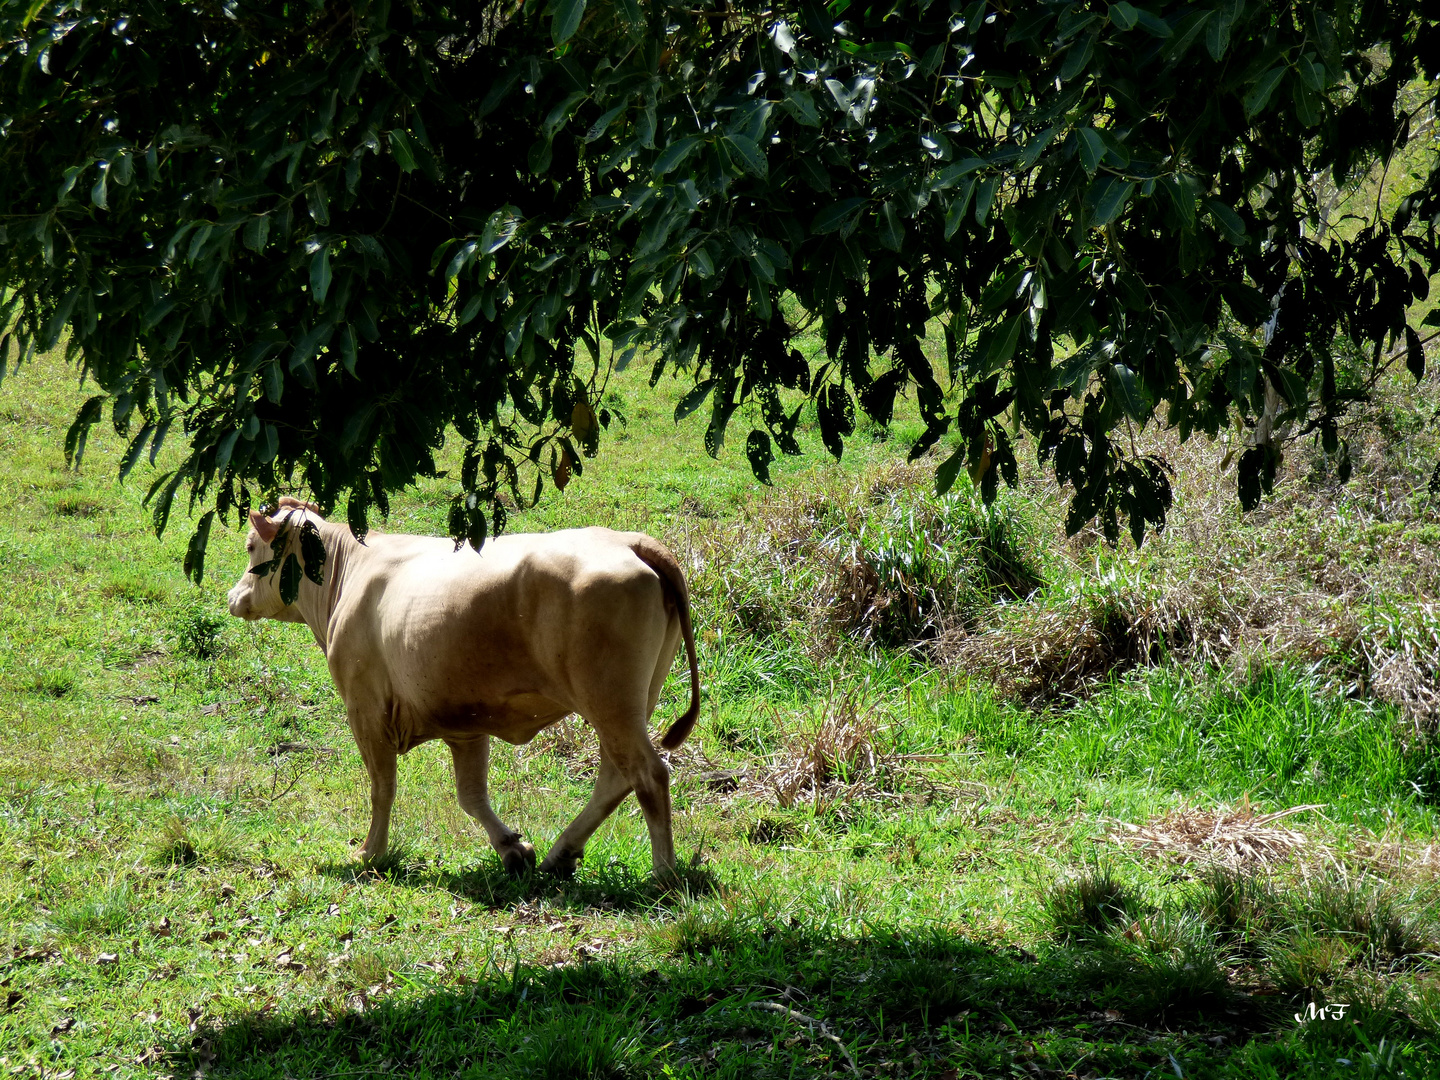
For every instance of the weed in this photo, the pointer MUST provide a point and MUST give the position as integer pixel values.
(198, 630)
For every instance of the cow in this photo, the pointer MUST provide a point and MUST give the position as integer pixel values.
(425, 641)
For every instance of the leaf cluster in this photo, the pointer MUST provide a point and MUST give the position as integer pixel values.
(320, 236)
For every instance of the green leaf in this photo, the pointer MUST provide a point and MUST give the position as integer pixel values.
(99, 194)
(320, 274)
(565, 18)
(601, 125)
(955, 214)
(757, 449)
(1092, 148)
(834, 216)
(1074, 372)
(949, 469)
(85, 418)
(1105, 199)
(257, 231)
(1182, 198)
(1153, 24)
(1414, 354)
(348, 349)
(290, 580)
(1259, 95)
(402, 151)
(1128, 392)
(274, 381)
(1228, 221)
(1003, 343)
(694, 399)
(194, 565)
(499, 230)
(1124, 15)
(1217, 34)
(671, 157)
(312, 551)
(749, 154)
(892, 234)
(984, 196)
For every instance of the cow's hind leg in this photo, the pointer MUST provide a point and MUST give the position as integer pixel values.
(627, 762)
(611, 787)
(472, 768)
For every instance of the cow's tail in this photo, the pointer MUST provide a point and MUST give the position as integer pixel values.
(658, 557)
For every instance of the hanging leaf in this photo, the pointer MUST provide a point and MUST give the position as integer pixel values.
(195, 550)
(290, 576)
(757, 449)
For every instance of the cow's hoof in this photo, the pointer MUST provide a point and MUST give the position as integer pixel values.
(560, 864)
(519, 858)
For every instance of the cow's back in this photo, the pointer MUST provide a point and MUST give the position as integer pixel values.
(494, 639)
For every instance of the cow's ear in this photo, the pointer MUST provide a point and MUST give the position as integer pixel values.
(264, 527)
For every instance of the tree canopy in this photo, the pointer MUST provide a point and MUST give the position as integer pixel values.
(315, 236)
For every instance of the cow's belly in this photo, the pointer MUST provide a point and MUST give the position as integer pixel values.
(516, 720)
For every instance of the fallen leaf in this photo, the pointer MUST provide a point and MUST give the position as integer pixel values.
(332, 910)
(13, 999)
(388, 920)
(106, 958)
(64, 1024)
(227, 890)
(214, 935)
(162, 928)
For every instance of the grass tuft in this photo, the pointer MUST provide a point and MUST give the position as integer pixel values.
(112, 911)
(175, 846)
(1090, 904)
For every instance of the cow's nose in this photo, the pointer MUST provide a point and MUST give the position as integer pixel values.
(237, 603)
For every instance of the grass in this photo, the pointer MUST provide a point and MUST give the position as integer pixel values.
(906, 846)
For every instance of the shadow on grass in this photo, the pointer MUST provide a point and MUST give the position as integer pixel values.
(913, 1003)
(610, 886)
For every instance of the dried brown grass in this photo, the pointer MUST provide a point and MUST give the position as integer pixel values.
(1228, 836)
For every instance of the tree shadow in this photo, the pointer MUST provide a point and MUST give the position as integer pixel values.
(902, 1002)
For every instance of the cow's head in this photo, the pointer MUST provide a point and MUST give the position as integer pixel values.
(257, 595)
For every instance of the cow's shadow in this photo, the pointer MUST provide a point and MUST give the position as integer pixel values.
(609, 886)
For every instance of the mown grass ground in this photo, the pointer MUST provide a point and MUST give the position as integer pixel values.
(934, 874)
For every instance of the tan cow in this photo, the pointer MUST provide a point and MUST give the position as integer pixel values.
(426, 642)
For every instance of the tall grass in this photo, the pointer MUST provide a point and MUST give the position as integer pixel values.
(1280, 736)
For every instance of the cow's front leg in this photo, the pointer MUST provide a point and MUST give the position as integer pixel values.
(380, 764)
(472, 770)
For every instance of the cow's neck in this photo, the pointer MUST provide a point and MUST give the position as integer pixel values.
(316, 603)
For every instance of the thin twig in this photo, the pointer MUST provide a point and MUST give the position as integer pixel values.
(814, 1025)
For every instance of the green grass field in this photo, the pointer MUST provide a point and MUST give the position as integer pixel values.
(911, 851)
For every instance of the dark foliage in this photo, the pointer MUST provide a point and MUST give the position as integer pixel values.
(317, 235)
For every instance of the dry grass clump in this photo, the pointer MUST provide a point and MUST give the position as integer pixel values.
(1394, 858)
(1227, 836)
